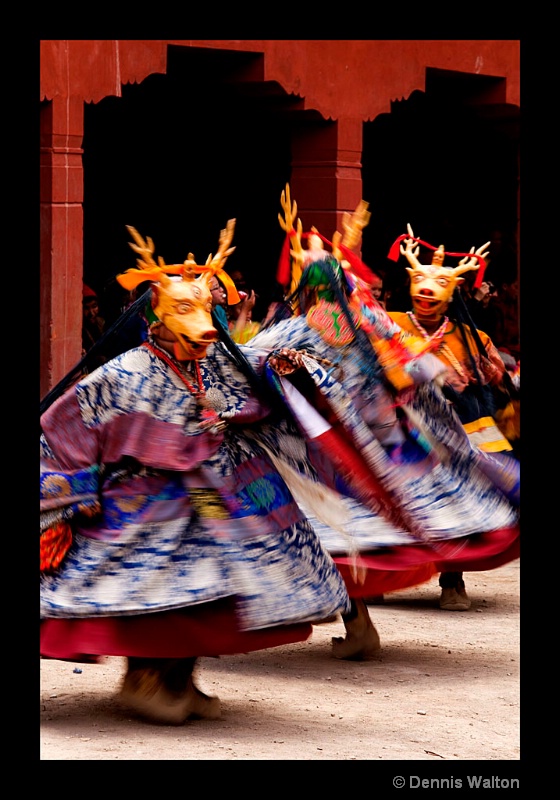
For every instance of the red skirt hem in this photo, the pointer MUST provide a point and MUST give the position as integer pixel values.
(395, 568)
(206, 630)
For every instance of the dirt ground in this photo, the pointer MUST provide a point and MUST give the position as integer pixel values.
(445, 686)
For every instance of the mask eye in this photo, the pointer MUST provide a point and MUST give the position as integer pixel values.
(183, 308)
(444, 282)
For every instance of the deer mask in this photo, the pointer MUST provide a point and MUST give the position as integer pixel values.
(181, 299)
(432, 285)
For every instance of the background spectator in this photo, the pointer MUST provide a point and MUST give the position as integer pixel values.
(481, 303)
(219, 301)
(506, 336)
(93, 324)
(377, 289)
(241, 325)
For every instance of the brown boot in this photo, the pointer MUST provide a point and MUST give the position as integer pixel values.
(164, 692)
(362, 640)
(454, 599)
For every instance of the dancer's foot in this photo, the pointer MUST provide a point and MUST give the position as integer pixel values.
(362, 639)
(454, 599)
(145, 692)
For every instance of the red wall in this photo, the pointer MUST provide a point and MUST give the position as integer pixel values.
(339, 78)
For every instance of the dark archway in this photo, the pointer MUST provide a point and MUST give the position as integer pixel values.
(179, 154)
(447, 167)
(176, 157)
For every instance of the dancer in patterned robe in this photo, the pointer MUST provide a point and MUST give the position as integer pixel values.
(476, 380)
(419, 498)
(167, 532)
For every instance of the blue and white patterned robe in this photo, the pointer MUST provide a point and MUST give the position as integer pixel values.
(180, 516)
(445, 489)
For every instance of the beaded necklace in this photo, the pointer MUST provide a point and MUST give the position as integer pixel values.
(438, 345)
(211, 421)
(436, 337)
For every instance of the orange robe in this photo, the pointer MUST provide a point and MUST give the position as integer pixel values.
(484, 432)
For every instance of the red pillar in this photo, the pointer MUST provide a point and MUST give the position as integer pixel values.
(326, 177)
(61, 238)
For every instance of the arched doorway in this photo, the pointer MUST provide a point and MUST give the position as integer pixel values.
(176, 157)
(180, 153)
(446, 165)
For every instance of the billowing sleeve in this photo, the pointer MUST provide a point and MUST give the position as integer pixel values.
(69, 477)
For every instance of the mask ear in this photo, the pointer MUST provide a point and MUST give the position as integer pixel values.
(154, 299)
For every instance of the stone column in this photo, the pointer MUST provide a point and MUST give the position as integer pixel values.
(326, 177)
(61, 237)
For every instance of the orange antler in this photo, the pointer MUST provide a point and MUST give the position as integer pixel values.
(412, 248)
(214, 264)
(472, 263)
(147, 267)
(144, 248)
(353, 225)
(294, 231)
